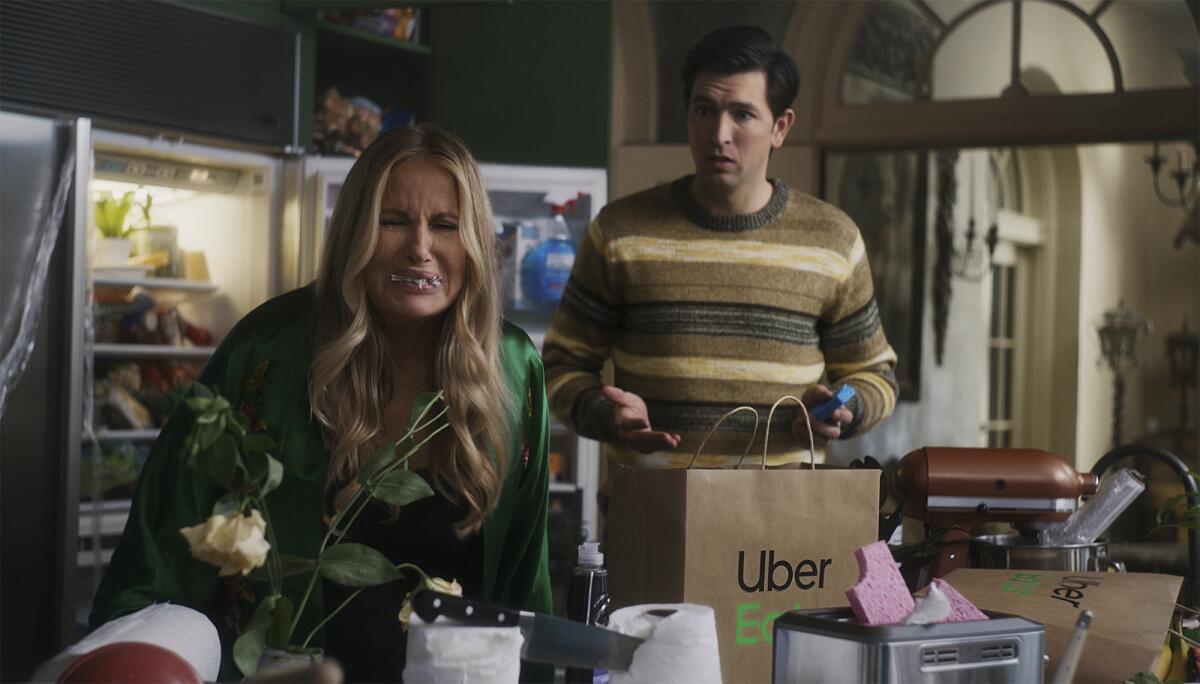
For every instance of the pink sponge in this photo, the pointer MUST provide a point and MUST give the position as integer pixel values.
(961, 610)
(881, 597)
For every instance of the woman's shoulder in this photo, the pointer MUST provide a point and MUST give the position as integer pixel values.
(279, 318)
(519, 355)
(516, 345)
(279, 329)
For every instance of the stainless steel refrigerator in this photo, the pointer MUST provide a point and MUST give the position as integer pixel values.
(117, 339)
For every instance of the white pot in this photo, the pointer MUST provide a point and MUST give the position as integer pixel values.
(111, 252)
(276, 660)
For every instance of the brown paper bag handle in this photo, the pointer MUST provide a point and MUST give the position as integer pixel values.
(812, 456)
(718, 424)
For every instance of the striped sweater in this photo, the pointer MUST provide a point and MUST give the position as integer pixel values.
(702, 312)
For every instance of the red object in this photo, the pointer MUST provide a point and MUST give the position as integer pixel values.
(130, 661)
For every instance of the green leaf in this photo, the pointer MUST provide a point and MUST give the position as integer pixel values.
(221, 461)
(292, 565)
(1168, 506)
(274, 475)
(198, 404)
(377, 463)
(241, 423)
(258, 441)
(357, 565)
(282, 627)
(207, 433)
(248, 648)
(402, 487)
(228, 505)
(256, 466)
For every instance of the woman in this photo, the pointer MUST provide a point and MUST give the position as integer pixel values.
(406, 302)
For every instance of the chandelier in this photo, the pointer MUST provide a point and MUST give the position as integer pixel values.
(1186, 194)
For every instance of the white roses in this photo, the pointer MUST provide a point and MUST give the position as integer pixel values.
(437, 584)
(235, 544)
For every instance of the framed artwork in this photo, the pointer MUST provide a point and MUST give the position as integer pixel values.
(886, 194)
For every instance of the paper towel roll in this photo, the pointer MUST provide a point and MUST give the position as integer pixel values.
(187, 632)
(681, 647)
(449, 651)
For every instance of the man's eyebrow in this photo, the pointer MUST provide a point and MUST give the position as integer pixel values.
(704, 99)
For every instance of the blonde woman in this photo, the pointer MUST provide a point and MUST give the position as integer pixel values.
(406, 302)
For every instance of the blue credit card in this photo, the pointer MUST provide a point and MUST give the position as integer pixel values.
(823, 411)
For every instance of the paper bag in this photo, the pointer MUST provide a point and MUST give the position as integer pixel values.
(751, 543)
(1131, 613)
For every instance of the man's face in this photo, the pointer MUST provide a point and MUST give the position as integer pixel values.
(731, 130)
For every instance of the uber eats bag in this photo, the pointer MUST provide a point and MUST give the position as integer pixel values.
(752, 543)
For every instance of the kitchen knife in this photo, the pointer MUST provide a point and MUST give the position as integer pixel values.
(548, 639)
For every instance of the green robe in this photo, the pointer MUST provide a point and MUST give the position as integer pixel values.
(151, 563)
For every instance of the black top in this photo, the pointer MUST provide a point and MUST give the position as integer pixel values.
(366, 637)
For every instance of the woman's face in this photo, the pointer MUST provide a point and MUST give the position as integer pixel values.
(420, 263)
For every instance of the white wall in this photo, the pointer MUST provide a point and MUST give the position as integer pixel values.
(1105, 224)
(1127, 254)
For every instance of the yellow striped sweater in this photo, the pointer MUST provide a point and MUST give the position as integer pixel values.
(701, 312)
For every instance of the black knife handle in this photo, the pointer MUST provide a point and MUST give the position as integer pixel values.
(429, 604)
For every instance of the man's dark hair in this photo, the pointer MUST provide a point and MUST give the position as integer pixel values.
(736, 50)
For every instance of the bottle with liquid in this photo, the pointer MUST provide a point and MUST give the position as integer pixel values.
(546, 268)
(588, 602)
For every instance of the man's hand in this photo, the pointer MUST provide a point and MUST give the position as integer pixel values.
(823, 433)
(632, 422)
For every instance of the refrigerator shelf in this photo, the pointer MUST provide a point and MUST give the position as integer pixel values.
(176, 284)
(106, 435)
(155, 350)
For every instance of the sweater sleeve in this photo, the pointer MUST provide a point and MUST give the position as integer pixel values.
(580, 340)
(855, 348)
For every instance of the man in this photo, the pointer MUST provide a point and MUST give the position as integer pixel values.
(720, 289)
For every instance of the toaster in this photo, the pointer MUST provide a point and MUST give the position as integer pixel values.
(827, 645)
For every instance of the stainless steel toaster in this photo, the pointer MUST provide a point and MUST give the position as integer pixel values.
(827, 645)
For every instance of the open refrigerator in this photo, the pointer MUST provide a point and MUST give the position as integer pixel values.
(204, 254)
(145, 311)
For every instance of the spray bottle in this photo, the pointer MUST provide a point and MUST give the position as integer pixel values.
(588, 602)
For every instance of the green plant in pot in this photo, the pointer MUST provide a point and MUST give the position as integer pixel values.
(156, 245)
(114, 246)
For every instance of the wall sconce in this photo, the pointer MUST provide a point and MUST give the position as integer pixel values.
(969, 263)
(1121, 332)
(1187, 190)
(1183, 354)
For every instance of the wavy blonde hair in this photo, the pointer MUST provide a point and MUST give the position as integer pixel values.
(347, 387)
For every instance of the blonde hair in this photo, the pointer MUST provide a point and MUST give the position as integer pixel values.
(348, 387)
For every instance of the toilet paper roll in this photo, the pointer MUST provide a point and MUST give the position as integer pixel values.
(681, 647)
(449, 651)
(186, 632)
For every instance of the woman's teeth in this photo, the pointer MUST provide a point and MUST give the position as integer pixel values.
(423, 283)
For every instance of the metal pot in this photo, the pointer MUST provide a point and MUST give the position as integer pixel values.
(1010, 551)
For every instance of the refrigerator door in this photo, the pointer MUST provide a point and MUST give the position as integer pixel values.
(206, 250)
(43, 180)
(322, 181)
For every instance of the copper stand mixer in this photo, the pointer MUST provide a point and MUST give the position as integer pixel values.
(956, 490)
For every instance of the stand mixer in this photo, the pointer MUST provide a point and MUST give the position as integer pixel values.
(956, 490)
